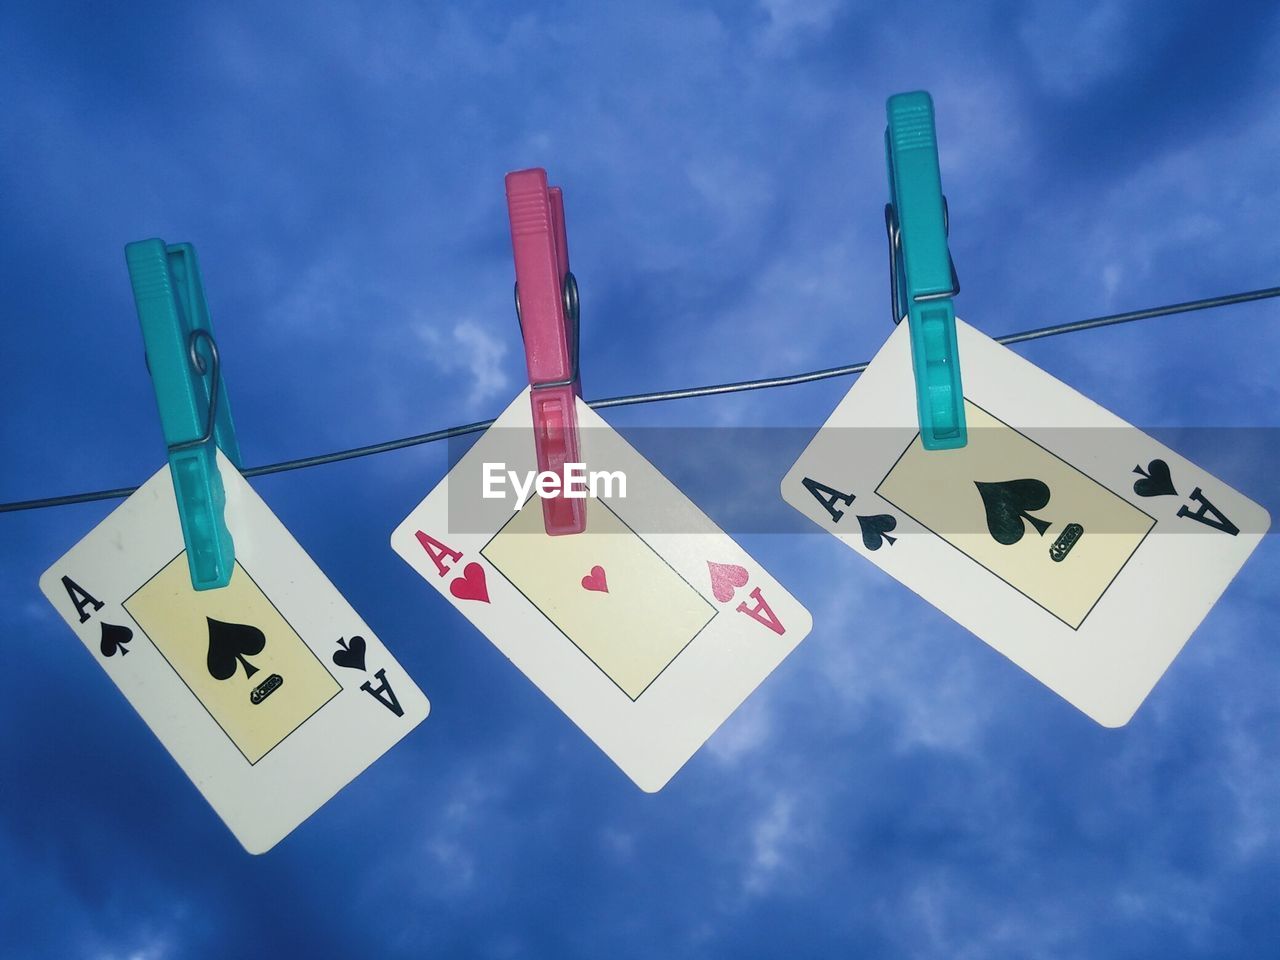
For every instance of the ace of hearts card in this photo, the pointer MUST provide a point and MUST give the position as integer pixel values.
(648, 629)
(1079, 547)
(271, 693)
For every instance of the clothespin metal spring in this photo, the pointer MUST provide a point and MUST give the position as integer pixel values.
(897, 282)
(572, 309)
(198, 365)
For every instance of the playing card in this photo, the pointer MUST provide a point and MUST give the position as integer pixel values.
(648, 629)
(271, 693)
(1076, 545)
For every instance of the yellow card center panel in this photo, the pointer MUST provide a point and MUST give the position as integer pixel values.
(998, 482)
(236, 653)
(633, 629)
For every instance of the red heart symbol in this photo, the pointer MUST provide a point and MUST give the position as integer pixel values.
(724, 578)
(471, 585)
(595, 580)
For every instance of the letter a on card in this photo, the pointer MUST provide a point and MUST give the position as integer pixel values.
(438, 552)
(762, 613)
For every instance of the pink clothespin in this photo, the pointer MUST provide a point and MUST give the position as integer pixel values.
(547, 308)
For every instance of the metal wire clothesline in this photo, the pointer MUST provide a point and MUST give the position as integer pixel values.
(1022, 336)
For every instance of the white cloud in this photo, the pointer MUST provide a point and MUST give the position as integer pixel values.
(772, 835)
(736, 191)
(470, 349)
(152, 951)
(620, 843)
(482, 355)
(790, 21)
(148, 944)
(1073, 46)
(983, 132)
(745, 732)
(878, 658)
(451, 831)
(456, 865)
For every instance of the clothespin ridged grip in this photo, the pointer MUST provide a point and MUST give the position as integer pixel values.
(194, 411)
(547, 308)
(922, 274)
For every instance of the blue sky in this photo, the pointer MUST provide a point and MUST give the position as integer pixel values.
(896, 788)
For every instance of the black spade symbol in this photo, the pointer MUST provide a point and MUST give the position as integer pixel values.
(114, 639)
(1155, 480)
(1008, 503)
(229, 645)
(352, 653)
(875, 530)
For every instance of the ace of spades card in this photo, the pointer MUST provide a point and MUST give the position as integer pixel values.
(648, 629)
(271, 693)
(1076, 545)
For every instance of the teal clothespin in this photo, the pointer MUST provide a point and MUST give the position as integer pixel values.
(922, 276)
(194, 411)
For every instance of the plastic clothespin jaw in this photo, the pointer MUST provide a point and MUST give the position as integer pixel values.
(194, 413)
(922, 276)
(547, 308)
